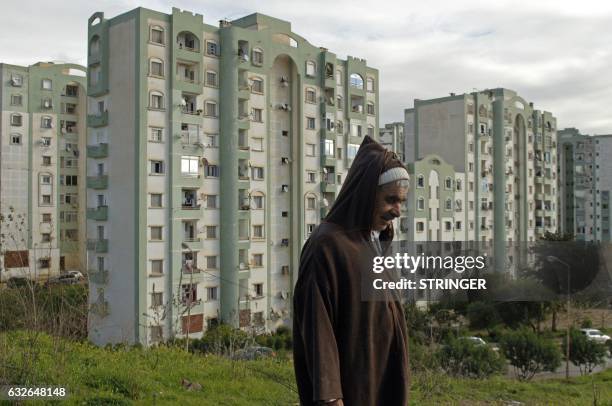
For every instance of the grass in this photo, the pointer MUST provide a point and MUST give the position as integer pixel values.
(126, 376)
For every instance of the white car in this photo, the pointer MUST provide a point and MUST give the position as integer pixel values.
(595, 335)
(78, 275)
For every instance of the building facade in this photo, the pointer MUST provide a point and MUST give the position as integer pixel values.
(392, 138)
(42, 199)
(213, 152)
(506, 150)
(584, 190)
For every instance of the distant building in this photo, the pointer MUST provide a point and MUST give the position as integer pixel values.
(585, 166)
(42, 199)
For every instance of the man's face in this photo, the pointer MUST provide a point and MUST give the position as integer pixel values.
(389, 199)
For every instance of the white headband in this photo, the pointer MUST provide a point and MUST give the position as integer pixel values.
(393, 174)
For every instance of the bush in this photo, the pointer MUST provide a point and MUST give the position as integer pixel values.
(222, 339)
(529, 353)
(462, 357)
(417, 323)
(584, 353)
(420, 358)
(586, 323)
(482, 315)
(281, 339)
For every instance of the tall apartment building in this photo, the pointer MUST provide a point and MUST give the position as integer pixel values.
(584, 188)
(42, 199)
(507, 151)
(391, 136)
(213, 152)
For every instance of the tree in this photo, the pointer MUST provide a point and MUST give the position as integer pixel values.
(584, 353)
(461, 357)
(529, 353)
(482, 315)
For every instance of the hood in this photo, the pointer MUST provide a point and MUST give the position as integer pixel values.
(353, 208)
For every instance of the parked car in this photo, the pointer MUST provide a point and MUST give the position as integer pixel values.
(16, 282)
(479, 341)
(66, 279)
(76, 274)
(595, 335)
(254, 352)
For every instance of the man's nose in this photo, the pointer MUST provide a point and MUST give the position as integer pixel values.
(396, 210)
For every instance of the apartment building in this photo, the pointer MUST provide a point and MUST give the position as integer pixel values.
(391, 136)
(584, 190)
(213, 152)
(42, 193)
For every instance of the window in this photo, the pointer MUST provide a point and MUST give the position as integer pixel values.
(310, 123)
(211, 262)
(157, 266)
(420, 181)
(16, 80)
(258, 56)
(157, 134)
(157, 35)
(448, 226)
(15, 139)
(310, 150)
(156, 101)
(46, 217)
(189, 166)
(356, 81)
(257, 115)
(329, 148)
(156, 68)
(258, 260)
(211, 293)
(421, 203)
(16, 120)
(212, 171)
(212, 48)
(156, 200)
(310, 177)
(351, 150)
(370, 84)
(46, 122)
(47, 84)
(311, 68)
(257, 144)
(458, 225)
(257, 173)
(211, 78)
(258, 288)
(370, 131)
(448, 183)
(210, 109)
(45, 141)
(211, 201)
(370, 108)
(257, 86)
(46, 160)
(16, 100)
(420, 226)
(189, 293)
(157, 299)
(46, 199)
(211, 232)
(458, 183)
(311, 95)
(448, 205)
(45, 179)
(71, 180)
(157, 167)
(156, 233)
(258, 231)
(258, 202)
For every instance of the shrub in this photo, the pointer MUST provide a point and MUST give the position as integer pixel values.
(482, 315)
(586, 323)
(420, 358)
(529, 353)
(462, 357)
(585, 353)
(222, 339)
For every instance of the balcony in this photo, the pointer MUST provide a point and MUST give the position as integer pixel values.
(99, 213)
(97, 120)
(97, 151)
(98, 245)
(97, 182)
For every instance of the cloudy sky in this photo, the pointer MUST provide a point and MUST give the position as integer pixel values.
(557, 54)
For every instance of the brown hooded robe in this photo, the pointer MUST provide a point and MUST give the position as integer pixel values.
(345, 347)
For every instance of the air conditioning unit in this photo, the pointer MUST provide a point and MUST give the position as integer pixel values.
(47, 104)
(285, 160)
(324, 203)
(16, 81)
(284, 188)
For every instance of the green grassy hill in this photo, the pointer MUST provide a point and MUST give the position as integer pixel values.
(97, 376)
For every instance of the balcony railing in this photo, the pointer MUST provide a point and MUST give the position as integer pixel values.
(99, 213)
(97, 245)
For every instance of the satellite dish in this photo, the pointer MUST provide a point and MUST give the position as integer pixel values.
(183, 102)
(324, 203)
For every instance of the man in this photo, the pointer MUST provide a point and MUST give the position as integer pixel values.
(347, 350)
